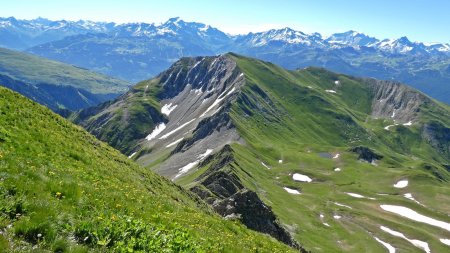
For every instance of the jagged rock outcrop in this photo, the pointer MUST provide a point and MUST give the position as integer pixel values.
(366, 154)
(221, 187)
(196, 93)
(395, 101)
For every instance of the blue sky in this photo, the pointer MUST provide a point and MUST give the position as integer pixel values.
(420, 20)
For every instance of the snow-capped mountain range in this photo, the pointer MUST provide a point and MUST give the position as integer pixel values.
(41, 30)
(138, 51)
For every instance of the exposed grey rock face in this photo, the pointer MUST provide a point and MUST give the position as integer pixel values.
(222, 188)
(395, 101)
(195, 96)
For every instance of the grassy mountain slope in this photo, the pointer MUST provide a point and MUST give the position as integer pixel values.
(302, 123)
(63, 190)
(349, 135)
(56, 84)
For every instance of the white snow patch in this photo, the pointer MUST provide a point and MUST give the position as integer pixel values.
(336, 156)
(387, 127)
(131, 156)
(309, 87)
(218, 100)
(280, 161)
(410, 197)
(393, 113)
(337, 82)
(242, 74)
(321, 216)
(197, 63)
(218, 109)
(186, 168)
(204, 155)
(326, 224)
(355, 195)
(337, 217)
(265, 165)
(330, 91)
(445, 241)
(197, 91)
(176, 130)
(387, 245)
(158, 129)
(191, 165)
(339, 204)
(301, 178)
(214, 61)
(408, 124)
(419, 244)
(291, 191)
(337, 169)
(174, 143)
(413, 215)
(401, 184)
(168, 108)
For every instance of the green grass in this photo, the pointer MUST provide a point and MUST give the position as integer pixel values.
(62, 190)
(288, 115)
(280, 117)
(35, 70)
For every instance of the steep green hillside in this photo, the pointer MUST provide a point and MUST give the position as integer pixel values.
(312, 154)
(55, 84)
(62, 190)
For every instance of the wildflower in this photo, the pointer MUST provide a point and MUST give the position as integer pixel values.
(113, 218)
(58, 195)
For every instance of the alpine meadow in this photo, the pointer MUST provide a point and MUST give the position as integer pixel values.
(199, 126)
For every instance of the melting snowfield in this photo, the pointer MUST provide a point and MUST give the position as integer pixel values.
(131, 156)
(339, 204)
(175, 130)
(336, 156)
(167, 109)
(191, 165)
(265, 165)
(358, 196)
(301, 178)
(175, 142)
(387, 245)
(291, 191)
(419, 244)
(401, 184)
(330, 91)
(158, 129)
(445, 241)
(413, 215)
(355, 195)
(410, 197)
(218, 100)
(337, 169)
(387, 127)
(408, 124)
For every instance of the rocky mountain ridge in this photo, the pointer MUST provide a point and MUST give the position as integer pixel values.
(220, 127)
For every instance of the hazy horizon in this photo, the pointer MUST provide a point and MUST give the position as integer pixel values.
(419, 20)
